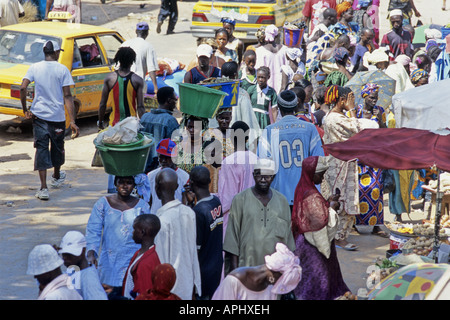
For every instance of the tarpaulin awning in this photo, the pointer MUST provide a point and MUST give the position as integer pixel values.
(396, 148)
(424, 107)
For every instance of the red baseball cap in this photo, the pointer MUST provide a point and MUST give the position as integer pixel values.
(167, 147)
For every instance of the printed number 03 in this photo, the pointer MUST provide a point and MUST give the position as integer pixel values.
(291, 153)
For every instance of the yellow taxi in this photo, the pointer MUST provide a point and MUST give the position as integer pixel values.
(250, 15)
(88, 53)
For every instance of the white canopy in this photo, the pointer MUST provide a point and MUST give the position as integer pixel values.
(426, 107)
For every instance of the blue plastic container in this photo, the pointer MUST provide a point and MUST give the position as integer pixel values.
(445, 32)
(231, 88)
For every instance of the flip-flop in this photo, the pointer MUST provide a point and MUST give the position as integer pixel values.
(381, 234)
(349, 247)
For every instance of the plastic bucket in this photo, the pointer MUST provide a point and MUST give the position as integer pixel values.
(125, 161)
(396, 241)
(393, 252)
(293, 37)
(200, 101)
(138, 143)
(231, 88)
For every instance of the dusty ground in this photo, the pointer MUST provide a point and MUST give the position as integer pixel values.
(26, 221)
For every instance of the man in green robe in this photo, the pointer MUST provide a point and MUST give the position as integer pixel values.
(260, 217)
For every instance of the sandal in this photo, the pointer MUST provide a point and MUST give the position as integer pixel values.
(349, 247)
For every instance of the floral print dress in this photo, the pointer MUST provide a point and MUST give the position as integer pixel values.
(370, 186)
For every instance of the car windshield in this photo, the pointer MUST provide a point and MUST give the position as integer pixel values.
(245, 1)
(21, 47)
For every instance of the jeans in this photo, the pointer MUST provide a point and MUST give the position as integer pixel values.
(49, 143)
(169, 9)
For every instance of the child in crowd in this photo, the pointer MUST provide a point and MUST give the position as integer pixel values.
(247, 74)
(263, 98)
(222, 50)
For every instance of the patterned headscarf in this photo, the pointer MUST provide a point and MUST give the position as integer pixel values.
(260, 34)
(342, 7)
(340, 53)
(185, 117)
(430, 43)
(228, 20)
(288, 264)
(223, 110)
(418, 74)
(321, 77)
(331, 95)
(369, 88)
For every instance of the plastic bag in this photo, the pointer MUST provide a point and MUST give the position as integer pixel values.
(97, 159)
(443, 253)
(123, 132)
(388, 181)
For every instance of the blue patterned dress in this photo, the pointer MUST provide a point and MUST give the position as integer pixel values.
(371, 205)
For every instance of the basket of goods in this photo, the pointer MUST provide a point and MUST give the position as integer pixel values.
(421, 246)
(386, 268)
(123, 149)
(399, 234)
(293, 34)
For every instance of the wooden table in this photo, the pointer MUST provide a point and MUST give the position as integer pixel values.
(445, 204)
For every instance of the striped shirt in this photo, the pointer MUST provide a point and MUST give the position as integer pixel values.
(123, 97)
(397, 44)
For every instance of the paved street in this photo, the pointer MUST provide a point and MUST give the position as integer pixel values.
(26, 221)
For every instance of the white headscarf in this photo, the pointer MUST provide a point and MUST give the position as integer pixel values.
(431, 33)
(288, 264)
(271, 32)
(322, 164)
(377, 55)
(403, 59)
(294, 53)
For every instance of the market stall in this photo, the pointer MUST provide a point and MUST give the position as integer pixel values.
(445, 188)
(401, 149)
(421, 140)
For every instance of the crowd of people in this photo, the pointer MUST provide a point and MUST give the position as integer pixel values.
(245, 205)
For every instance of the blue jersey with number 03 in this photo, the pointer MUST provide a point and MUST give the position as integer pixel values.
(287, 142)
